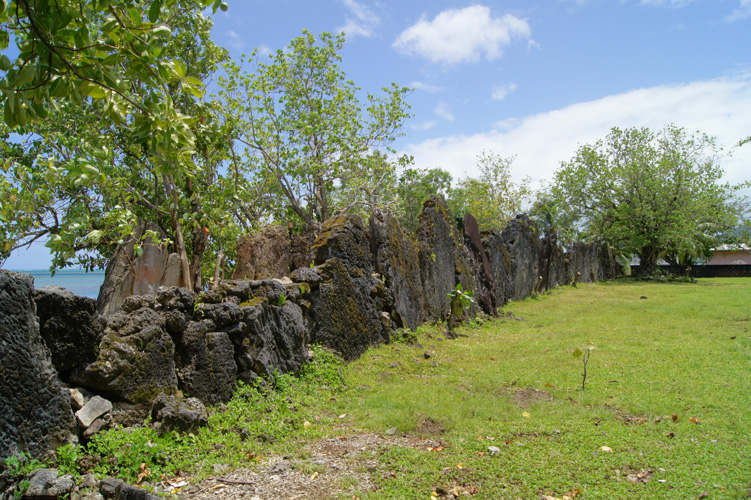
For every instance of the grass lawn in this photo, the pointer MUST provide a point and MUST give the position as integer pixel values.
(666, 410)
(665, 413)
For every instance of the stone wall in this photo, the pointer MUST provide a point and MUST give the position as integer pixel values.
(348, 291)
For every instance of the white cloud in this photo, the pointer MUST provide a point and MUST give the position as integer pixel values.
(742, 12)
(422, 126)
(426, 87)
(540, 142)
(464, 35)
(443, 110)
(360, 21)
(500, 92)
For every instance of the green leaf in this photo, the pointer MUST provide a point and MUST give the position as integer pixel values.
(161, 32)
(5, 63)
(96, 92)
(25, 76)
(577, 353)
(4, 39)
(8, 114)
(155, 10)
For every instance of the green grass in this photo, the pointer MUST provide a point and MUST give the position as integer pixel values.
(685, 349)
(513, 383)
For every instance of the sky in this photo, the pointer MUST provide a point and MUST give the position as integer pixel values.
(532, 79)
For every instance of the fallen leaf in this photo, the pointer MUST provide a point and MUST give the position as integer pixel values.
(306, 424)
(145, 472)
(606, 449)
(494, 449)
(526, 415)
(342, 415)
(675, 417)
(694, 420)
(391, 431)
(460, 465)
(314, 476)
(671, 434)
(318, 419)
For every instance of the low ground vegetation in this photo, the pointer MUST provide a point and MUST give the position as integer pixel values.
(499, 412)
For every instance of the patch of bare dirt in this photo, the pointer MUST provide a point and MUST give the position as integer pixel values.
(429, 427)
(527, 397)
(324, 469)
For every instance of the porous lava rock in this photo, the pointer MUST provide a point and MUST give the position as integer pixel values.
(205, 362)
(136, 359)
(69, 326)
(35, 414)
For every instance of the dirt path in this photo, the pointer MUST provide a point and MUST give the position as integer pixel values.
(329, 468)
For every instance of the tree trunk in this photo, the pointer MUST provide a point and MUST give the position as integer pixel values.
(200, 240)
(648, 261)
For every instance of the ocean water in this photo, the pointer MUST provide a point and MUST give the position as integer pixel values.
(77, 281)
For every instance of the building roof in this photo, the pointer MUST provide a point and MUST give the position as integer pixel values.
(736, 247)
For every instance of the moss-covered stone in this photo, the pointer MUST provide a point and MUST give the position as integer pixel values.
(395, 257)
(136, 359)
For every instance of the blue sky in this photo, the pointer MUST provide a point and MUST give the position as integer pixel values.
(532, 79)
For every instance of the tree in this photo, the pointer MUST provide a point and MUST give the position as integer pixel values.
(102, 49)
(650, 194)
(306, 132)
(552, 215)
(493, 198)
(85, 176)
(413, 187)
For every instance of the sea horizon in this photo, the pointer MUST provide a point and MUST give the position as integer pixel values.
(79, 281)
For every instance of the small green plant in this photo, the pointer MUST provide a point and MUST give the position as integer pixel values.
(67, 457)
(16, 468)
(584, 355)
(282, 299)
(459, 302)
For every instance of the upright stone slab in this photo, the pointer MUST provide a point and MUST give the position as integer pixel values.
(35, 412)
(552, 264)
(485, 290)
(442, 261)
(500, 262)
(395, 257)
(127, 275)
(346, 305)
(523, 246)
(263, 255)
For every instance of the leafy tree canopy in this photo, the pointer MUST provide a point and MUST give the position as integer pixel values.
(493, 198)
(306, 132)
(652, 194)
